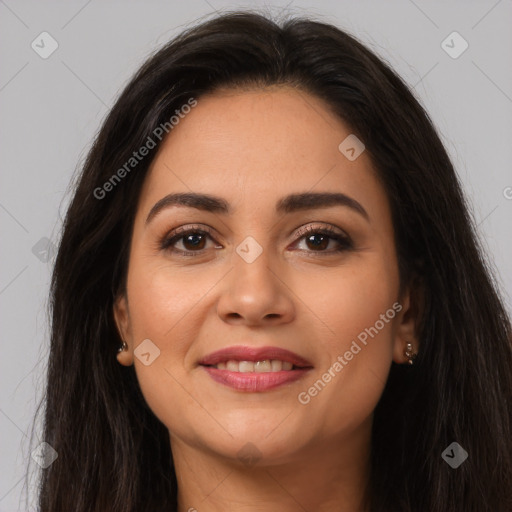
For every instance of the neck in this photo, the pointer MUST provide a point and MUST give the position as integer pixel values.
(326, 477)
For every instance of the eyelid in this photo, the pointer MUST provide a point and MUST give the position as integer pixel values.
(318, 226)
(189, 227)
(176, 234)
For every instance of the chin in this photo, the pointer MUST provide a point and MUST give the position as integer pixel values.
(257, 441)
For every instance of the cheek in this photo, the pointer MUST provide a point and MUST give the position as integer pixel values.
(353, 298)
(360, 311)
(164, 308)
(163, 305)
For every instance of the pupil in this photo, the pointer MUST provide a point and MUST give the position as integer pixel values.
(195, 243)
(321, 243)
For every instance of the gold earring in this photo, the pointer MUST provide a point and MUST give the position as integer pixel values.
(123, 347)
(409, 353)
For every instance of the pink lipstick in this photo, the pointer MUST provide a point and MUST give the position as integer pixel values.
(253, 369)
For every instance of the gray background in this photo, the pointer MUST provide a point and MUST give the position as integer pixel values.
(51, 108)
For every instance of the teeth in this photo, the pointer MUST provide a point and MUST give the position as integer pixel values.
(263, 366)
(245, 366)
(267, 365)
(232, 366)
(276, 365)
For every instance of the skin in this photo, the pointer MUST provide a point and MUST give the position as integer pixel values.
(252, 148)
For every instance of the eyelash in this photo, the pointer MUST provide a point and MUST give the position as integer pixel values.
(344, 242)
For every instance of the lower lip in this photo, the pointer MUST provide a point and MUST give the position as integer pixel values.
(252, 381)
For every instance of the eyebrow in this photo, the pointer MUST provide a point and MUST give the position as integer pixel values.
(289, 204)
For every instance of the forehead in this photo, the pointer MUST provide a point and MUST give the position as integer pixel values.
(256, 146)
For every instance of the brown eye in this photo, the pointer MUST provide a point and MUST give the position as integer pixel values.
(318, 240)
(193, 241)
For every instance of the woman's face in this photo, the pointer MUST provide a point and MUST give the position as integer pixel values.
(239, 274)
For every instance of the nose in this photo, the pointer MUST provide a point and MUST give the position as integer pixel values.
(255, 294)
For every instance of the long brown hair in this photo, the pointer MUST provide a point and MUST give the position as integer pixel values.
(114, 454)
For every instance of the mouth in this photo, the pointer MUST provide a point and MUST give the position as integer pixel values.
(253, 369)
(266, 365)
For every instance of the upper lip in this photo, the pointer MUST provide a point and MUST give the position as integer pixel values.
(245, 353)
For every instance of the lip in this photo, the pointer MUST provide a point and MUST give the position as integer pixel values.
(254, 381)
(244, 353)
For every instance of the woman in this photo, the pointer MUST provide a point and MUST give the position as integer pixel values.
(269, 295)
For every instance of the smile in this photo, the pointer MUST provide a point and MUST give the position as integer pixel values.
(253, 369)
(267, 365)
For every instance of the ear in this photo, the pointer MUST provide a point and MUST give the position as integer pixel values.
(407, 321)
(123, 323)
